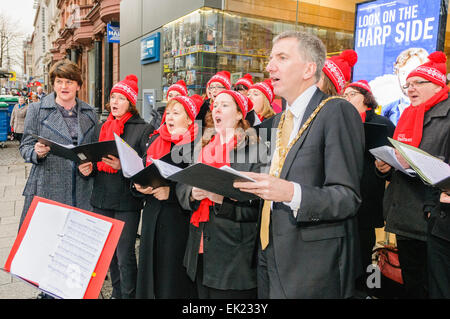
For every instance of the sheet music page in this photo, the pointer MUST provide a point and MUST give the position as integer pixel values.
(78, 249)
(38, 242)
(235, 172)
(434, 169)
(166, 169)
(47, 142)
(130, 160)
(387, 155)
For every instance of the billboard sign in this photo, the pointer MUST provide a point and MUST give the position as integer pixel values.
(388, 33)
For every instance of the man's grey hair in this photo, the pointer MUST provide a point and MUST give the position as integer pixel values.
(311, 48)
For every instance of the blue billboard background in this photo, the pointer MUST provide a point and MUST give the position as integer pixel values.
(384, 28)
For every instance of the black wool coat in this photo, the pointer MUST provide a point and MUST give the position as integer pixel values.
(112, 191)
(164, 233)
(370, 213)
(405, 199)
(229, 237)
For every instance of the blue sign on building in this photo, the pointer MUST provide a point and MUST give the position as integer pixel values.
(150, 48)
(113, 31)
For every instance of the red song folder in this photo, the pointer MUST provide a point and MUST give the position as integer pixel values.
(63, 250)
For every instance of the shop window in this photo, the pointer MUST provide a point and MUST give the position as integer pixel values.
(206, 41)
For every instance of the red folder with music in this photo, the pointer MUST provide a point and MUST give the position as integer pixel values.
(63, 250)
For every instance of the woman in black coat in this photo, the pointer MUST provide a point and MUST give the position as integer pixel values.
(165, 225)
(370, 213)
(222, 233)
(111, 194)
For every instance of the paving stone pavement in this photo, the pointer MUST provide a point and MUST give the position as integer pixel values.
(13, 174)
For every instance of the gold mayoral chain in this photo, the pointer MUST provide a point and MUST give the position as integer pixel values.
(283, 151)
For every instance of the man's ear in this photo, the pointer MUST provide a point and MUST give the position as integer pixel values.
(310, 70)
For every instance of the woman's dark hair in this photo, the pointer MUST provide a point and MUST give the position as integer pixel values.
(65, 69)
(240, 87)
(369, 99)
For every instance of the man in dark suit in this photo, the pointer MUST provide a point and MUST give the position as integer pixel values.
(312, 192)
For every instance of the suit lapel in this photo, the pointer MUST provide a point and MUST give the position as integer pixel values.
(313, 103)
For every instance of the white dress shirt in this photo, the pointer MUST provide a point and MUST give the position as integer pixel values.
(298, 110)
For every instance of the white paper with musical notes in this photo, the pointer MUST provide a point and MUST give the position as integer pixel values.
(66, 245)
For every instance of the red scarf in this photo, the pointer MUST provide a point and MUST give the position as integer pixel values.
(217, 155)
(364, 115)
(163, 143)
(261, 118)
(410, 125)
(111, 126)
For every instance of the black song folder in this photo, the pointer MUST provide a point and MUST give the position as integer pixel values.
(216, 180)
(151, 176)
(376, 135)
(92, 152)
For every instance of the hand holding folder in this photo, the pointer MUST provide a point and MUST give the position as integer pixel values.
(387, 155)
(133, 167)
(92, 152)
(430, 169)
(160, 172)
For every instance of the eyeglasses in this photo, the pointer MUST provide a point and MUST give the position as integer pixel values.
(212, 88)
(414, 84)
(350, 94)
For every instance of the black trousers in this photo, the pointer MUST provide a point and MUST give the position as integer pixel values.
(438, 267)
(123, 268)
(412, 255)
(367, 240)
(205, 292)
(269, 283)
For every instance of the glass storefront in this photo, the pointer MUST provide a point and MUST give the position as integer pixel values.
(239, 38)
(198, 45)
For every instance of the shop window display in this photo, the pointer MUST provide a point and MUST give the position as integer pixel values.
(206, 41)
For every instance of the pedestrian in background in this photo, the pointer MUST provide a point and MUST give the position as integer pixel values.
(111, 195)
(18, 115)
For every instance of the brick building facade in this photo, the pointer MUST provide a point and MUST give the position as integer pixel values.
(82, 38)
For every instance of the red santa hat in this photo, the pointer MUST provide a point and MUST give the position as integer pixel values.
(361, 84)
(339, 68)
(434, 70)
(266, 88)
(222, 77)
(244, 103)
(180, 87)
(127, 87)
(191, 104)
(246, 80)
